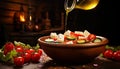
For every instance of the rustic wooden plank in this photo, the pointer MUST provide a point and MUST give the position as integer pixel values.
(6, 20)
(4, 13)
(12, 6)
(23, 2)
(8, 28)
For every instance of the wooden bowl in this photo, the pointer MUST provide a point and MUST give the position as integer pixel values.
(70, 53)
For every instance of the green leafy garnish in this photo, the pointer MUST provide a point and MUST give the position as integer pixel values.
(8, 57)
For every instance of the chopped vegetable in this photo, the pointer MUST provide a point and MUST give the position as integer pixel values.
(78, 37)
(97, 40)
(71, 38)
(49, 40)
(81, 41)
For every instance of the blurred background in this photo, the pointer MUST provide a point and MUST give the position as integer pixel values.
(40, 17)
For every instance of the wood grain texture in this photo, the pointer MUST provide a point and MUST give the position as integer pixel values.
(9, 7)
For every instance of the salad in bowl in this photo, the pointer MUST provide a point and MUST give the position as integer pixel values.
(70, 37)
(72, 46)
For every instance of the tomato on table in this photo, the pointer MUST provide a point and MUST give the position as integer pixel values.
(116, 55)
(9, 46)
(27, 57)
(19, 61)
(39, 51)
(35, 57)
(19, 49)
(31, 50)
(108, 53)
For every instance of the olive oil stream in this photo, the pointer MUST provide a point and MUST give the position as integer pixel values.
(69, 5)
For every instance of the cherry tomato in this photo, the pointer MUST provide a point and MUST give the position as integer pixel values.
(116, 55)
(75, 34)
(27, 57)
(31, 51)
(54, 39)
(91, 37)
(8, 47)
(19, 61)
(28, 51)
(39, 51)
(35, 57)
(19, 49)
(72, 33)
(108, 53)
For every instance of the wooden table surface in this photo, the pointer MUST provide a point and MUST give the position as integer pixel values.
(47, 63)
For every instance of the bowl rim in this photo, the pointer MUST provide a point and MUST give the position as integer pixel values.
(104, 42)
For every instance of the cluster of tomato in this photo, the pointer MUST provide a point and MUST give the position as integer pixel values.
(19, 54)
(112, 53)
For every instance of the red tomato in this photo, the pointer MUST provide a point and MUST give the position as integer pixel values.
(108, 53)
(54, 39)
(39, 51)
(31, 51)
(8, 47)
(27, 57)
(19, 61)
(116, 55)
(35, 57)
(73, 34)
(78, 35)
(19, 49)
(28, 51)
(91, 37)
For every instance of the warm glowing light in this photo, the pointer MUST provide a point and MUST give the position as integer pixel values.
(86, 4)
(30, 18)
(22, 18)
(36, 26)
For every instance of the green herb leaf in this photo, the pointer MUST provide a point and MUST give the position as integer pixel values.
(37, 46)
(109, 47)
